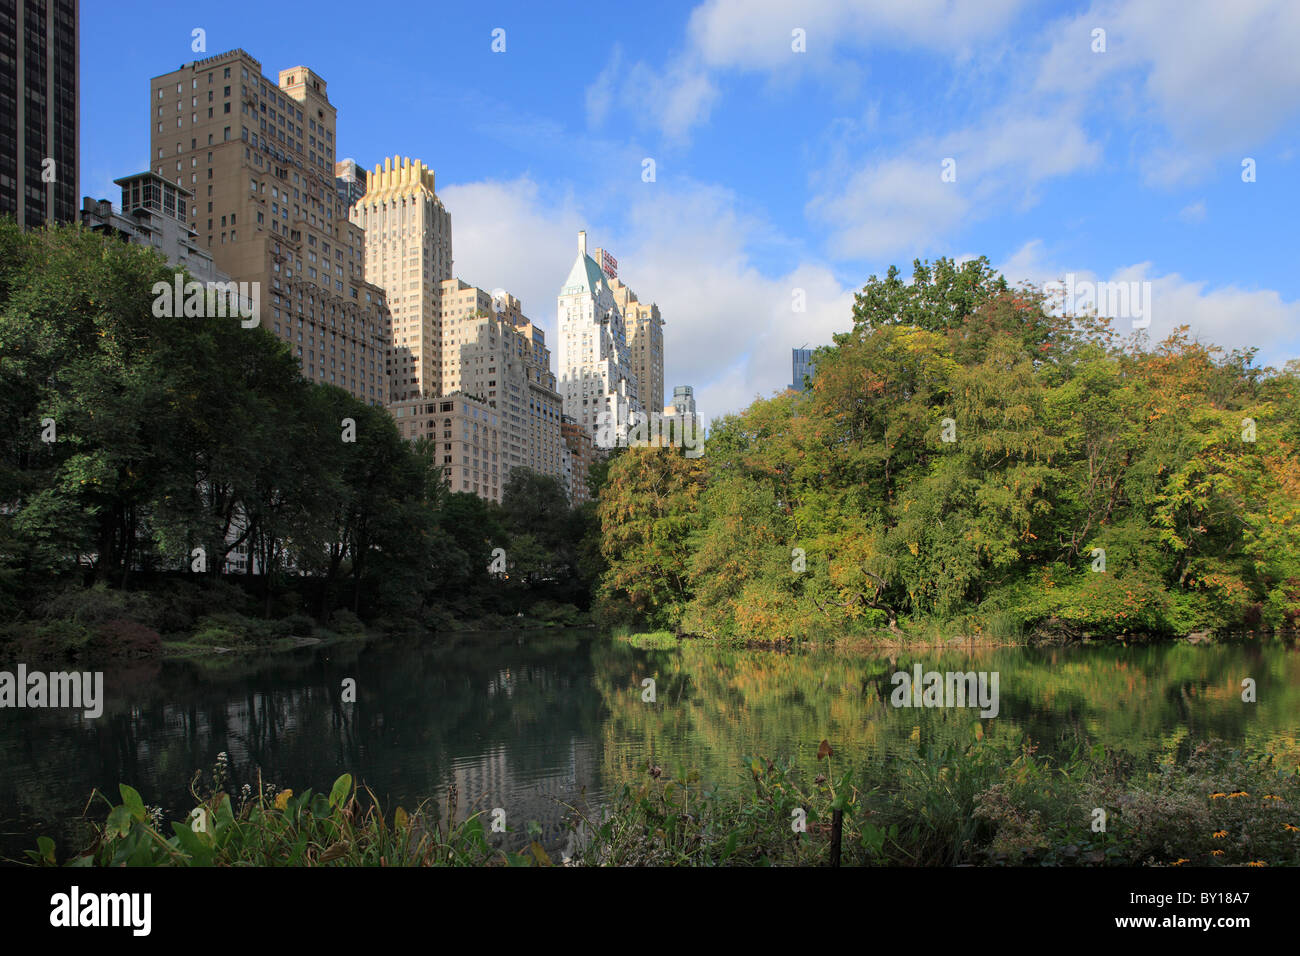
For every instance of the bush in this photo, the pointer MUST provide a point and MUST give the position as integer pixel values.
(344, 621)
(125, 638)
(300, 625)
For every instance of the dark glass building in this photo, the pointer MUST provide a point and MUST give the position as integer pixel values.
(39, 81)
(801, 366)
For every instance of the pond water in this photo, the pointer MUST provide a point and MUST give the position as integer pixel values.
(537, 721)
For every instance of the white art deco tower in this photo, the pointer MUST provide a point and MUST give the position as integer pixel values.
(595, 367)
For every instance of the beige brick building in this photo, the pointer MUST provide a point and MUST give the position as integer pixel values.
(466, 433)
(453, 338)
(579, 453)
(491, 350)
(258, 155)
(645, 336)
(408, 254)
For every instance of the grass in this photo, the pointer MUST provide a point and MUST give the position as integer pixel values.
(652, 640)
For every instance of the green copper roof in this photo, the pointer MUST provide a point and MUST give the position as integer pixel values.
(585, 276)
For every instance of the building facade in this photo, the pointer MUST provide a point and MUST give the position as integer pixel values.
(490, 349)
(408, 253)
(579, 453)
(40, 80)
(801, 366)
(155, 213)
(350, 180)
(468, 438)
(645, 336)
(259, 157)
(595, 364)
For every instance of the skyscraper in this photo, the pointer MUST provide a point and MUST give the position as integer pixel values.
(467, 369)
(39, 88)
(595, 364)
(645, 336)
(407, 233)
(259, 157)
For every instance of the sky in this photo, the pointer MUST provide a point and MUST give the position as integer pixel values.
(798, 148)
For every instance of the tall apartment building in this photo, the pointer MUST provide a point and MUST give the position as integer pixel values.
(491, 350)
(155, 213)
(40, 81)
(579, 454)
(408, 253)
(350, 180)
(259, 157)
(683, 401)
(595, 365)
(453, 338)
(467, 435)
(645, 335)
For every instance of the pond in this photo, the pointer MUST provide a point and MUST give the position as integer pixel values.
(534, 722)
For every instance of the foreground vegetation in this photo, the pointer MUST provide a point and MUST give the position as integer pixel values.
(967, 456)
(991, 803)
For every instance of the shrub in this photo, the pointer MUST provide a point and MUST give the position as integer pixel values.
(125, 638)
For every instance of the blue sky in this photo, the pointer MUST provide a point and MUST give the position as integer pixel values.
(778, 170)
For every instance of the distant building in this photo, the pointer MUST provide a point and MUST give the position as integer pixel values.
(40, 74)
(467, 433)
(645, 336)
(683, 402)
(155, 212)
(259, 155)
(350, 180)
(579, 453)
(595, 365)
(802, 367)
(407, 233)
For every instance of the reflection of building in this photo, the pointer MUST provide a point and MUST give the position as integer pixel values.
(493, 779)
(39, 88)
(154, 213)
(801, 367)
(259, 157)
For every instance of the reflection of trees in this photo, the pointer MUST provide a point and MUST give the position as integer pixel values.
(517, 720)
(1147, 701)
(421, 710)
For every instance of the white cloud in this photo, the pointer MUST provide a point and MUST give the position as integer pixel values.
(1226, 315)
(756, 34)
(901, 205)
(1220, 77)
(1193, 213)
(672, 100)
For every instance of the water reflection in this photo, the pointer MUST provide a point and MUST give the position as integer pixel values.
(532, 723)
